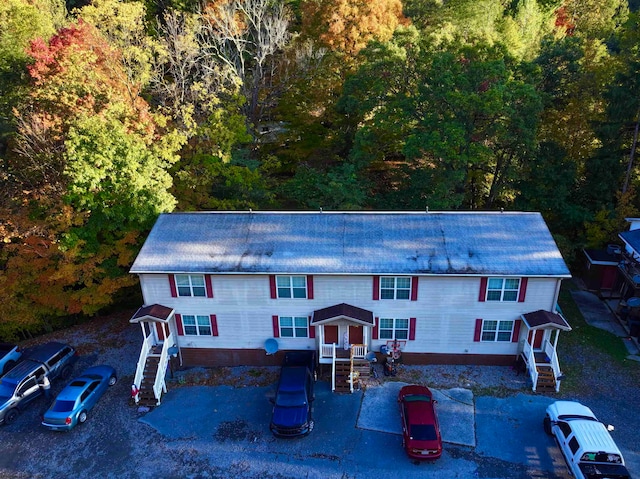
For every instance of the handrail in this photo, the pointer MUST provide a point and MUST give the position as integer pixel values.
(147, 344)
(551, 353)
(333, 367)
(159, 384)
(531, 362)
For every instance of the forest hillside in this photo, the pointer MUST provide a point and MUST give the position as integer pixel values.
(112, 112)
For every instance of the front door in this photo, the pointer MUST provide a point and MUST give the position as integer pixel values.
(355, 334)
(330, 334)
(537, 341)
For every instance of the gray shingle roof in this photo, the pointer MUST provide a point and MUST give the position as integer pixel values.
(451, 243)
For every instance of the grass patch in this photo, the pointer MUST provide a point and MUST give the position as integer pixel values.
(583, 335)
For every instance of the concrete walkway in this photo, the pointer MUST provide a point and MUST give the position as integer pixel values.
(598, 314)
(455, 411)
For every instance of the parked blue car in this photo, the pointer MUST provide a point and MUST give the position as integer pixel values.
(78, 398)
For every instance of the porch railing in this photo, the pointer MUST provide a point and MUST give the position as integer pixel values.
(358, 351)
(550, 351)
(327, 350)
(147, 344)
(531, 362)
(333, 365)
(159, 385)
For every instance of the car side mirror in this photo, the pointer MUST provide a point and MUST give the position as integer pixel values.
(610, 427)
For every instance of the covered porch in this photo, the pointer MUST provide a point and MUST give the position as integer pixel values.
(343, 334)
(539, 352)
(158, 346)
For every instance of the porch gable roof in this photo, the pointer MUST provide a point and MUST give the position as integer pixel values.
(154, 312)
(342, 310)
(545, 319)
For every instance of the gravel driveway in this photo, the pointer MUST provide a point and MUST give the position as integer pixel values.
(205, 440)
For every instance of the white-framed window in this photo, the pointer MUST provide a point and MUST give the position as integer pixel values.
(294, 326)
(291, 286)
(190, 285)
(395, 287)
(196, 325)
(496, 331)
(503, 289)
(393, 328)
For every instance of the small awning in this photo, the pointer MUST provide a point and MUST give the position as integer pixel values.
(545, 320)
(342, 311)
(155, 312)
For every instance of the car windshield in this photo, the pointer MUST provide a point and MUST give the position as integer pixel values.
(63, 406)
(423, 432)
(291, 399)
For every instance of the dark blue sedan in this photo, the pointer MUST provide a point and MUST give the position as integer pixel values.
(78, 398)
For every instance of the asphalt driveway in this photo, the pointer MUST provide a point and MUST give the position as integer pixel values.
(361, 432)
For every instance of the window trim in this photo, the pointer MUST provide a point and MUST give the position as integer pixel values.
(394, 329)
(497, 331)
(191, 285)
(294, 327)
(503, 290)
(395, 288)
(196, 325)
(291, 286)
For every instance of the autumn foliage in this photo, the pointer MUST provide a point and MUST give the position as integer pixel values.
(348, 25)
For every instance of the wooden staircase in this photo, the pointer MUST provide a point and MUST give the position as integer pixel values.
(546, 379)
(344, 370)
(146, 394)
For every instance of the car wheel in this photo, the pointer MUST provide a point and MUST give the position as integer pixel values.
(11, 416)
(547, 425)
(112, 380)
(82, 417)
(8, 367)
(65, 372)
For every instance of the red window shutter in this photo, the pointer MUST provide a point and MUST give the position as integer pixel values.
(276, 326)
(312, 330)
(478, 332)
(376, 288)
(214, 325)
(208, 285)
(412, 328)
(179, 325)
(272, 286)
(523, 290)
(374, 332)
(172, 286)
(414, 288)
(516, 331)
(483, 289)
(309, 286)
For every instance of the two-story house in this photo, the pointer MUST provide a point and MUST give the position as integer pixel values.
(230, 288)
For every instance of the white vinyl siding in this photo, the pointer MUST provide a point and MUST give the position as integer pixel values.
(446, 310)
